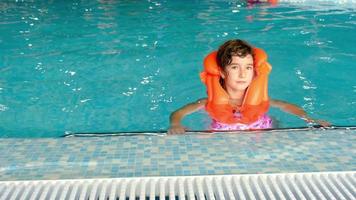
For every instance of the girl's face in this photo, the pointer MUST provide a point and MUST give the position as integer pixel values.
(239, 73)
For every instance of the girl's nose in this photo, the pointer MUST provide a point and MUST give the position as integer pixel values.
(242, 73)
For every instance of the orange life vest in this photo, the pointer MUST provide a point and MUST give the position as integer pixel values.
(255, 102)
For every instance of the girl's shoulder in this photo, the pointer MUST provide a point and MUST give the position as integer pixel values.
(201, 101)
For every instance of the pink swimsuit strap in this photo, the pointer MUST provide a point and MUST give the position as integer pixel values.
(264, 122)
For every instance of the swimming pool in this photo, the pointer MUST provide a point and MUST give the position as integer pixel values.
(100, 66)
(125, 66)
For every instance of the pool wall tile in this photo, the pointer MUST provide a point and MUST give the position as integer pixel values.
(177, 155)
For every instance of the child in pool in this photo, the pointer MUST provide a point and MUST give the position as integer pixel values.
(240, 70)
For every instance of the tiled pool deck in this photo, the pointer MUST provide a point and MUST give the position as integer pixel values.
(193, 154)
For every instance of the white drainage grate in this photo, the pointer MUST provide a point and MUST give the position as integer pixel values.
(326, 185)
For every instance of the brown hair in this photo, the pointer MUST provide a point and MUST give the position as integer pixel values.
(232, 48)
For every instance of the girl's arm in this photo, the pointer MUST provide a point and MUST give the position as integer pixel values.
(296, 110)
(177, 116)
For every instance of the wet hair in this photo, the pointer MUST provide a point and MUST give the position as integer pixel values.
(231, 48)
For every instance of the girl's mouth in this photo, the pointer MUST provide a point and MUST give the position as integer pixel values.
(241, 82)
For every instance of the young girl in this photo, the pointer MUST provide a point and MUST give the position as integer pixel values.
(236, 77)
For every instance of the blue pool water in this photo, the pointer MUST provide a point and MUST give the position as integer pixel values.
(100, 66)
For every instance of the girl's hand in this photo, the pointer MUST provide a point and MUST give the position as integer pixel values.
(176, 129)
(322, 123)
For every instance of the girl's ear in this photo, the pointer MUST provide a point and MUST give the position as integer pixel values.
(222, 74)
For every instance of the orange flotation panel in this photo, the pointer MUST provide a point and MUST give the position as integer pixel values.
(256, 101)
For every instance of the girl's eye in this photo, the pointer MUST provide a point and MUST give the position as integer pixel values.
(233, 67)
(249, 68)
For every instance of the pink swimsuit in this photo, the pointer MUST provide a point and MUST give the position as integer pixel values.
(264, 122)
